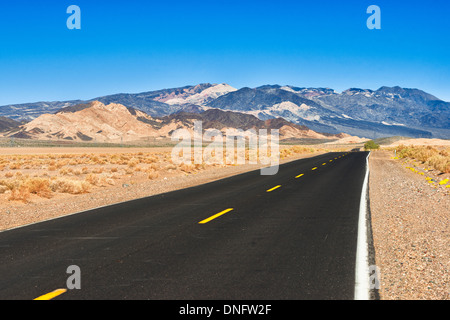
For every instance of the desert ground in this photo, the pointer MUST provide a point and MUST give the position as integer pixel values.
(422, 142)
(409, 197)
(409, 207)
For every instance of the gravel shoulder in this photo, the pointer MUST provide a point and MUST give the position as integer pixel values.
(410, 224)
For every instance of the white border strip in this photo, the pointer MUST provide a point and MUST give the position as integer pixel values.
(362, 262)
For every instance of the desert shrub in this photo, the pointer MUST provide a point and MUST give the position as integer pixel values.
(15, 166)
(439, 162)
(62, 185)
(151, 159)
(188, 168)
(3, 189)
(438, 159)
(93, 179)
(21, 193)
(97, 170)
(153, 175)
(63, 171)
(39, 186)
(153, 166)
(100, 180)
(10, 184)
(371, 145)
(132, 163)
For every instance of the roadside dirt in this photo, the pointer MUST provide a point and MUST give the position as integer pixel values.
(410, 222)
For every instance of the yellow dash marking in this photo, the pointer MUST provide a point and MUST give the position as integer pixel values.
(51, 295)
(273, 188)
(331, 160)
(314, 168)
(215, 216)
(324, 163)
(299, 175)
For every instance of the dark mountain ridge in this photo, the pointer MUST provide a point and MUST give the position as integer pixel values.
(363, 112)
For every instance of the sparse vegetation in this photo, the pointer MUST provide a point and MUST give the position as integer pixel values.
(438, 158)
(44, 175)
(371, 145)
(70, 186)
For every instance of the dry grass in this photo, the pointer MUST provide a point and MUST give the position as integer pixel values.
(39, 186)
(44, 175)
(70, 186)
(20, 194)
(438, 158)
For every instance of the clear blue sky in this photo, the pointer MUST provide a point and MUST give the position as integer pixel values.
(135, 46)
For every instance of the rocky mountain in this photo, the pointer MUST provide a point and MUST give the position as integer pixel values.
(7, 124)
(30, 111)
(114, 123)
(201, 97)
(391, 106)
(92, 121)
(388, 111)
(223, 120)
(155, 103)
(384, 112)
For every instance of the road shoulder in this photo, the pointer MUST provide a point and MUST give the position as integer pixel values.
(410, 225)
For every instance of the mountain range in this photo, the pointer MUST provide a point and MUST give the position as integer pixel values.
(95, 121)
(387, 111)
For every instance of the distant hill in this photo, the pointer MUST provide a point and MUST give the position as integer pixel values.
(7, 124)
(98, 122)
(387, 111)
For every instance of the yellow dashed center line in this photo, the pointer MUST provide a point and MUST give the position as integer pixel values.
(230, 209)
(270, 190)
(215, 216)
(51, 295)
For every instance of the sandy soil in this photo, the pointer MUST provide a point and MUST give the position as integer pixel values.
(76, 150)
(352, 139)
(410, 221)
(421, 142)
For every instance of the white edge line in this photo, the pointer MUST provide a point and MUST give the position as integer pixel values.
(362, 262)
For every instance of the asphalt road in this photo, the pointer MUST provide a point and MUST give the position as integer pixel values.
(296, 241)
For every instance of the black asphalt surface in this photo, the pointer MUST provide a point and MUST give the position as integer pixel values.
(295, 242)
